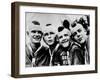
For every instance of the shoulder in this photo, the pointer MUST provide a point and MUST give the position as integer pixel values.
(75, 46)
(28, 50)
(44, 47)
(59, 49)
(28, 47)
(76, 50)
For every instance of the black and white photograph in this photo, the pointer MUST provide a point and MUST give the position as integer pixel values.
(57, 39)
(52, 39)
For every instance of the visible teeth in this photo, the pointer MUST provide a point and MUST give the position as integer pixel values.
(64, 41)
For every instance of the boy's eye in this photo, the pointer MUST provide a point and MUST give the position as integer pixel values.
(46, 34)
(51, 32)
(65, 34)
(74, 34)
(79, 30)
(33, 31)
(39, 32)
(60, 37)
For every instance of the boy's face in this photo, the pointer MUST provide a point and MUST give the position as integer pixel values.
(64, 38)
(79, 33)
(49, 37)
(35, 36)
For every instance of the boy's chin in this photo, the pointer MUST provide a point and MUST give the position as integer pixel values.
(65, 45)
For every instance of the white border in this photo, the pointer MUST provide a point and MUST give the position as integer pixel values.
(38, 70)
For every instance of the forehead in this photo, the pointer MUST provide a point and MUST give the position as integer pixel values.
(35, 28)
(49, 32)
(64, 31)
(75, 28)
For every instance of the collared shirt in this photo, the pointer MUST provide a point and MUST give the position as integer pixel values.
(31, 53)
(45, 57)
(83, 55)
(73, 55)
(63, 56)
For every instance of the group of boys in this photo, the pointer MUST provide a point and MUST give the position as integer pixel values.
(69, 46)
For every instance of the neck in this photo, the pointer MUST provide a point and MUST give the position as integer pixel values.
(86, 41)
(52, 47)
(36, 45)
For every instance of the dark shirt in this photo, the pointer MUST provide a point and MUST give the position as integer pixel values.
(85, 48)
(72, 55)
(45, 57)
(42, 57)
(34, 56)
